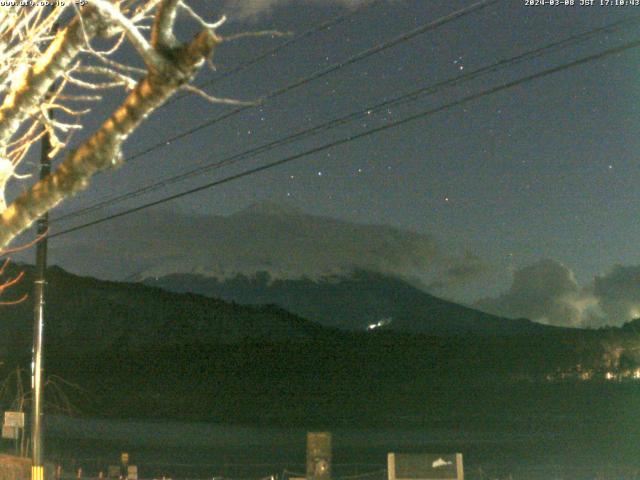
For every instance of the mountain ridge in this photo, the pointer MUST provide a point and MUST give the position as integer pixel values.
(353, 302)
(145, 352)
(98, 315)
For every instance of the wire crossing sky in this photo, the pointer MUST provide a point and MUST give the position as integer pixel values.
(327, 71)
(410, 96)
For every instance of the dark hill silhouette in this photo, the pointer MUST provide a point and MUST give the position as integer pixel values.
(353, 302)
(84, 314)
(144, 352)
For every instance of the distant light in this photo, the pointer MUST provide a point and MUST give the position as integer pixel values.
(380, 323)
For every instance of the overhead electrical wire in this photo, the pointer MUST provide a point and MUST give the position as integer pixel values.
(475, 7)
(281, 46)
(351, 138)
(336, 66)
(401, 99)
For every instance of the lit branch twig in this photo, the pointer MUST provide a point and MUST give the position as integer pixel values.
(212, 99)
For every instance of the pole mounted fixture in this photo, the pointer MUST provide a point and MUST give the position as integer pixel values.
(37, 464)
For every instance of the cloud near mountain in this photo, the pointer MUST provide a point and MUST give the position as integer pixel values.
(618, 292)
(547, 292)
(290, 244)
(284, 242)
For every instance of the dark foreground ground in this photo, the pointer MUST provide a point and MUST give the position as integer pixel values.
(240, 420)
(562, 431)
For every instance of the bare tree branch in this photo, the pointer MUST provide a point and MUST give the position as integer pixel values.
(162, 36)
(151, 58)
(32, 85)
(212, 99)
(33, 60)
(102, 149)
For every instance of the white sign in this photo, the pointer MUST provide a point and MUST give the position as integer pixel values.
(14, 419)
(9, 432)
(132, 472)
(425, 466)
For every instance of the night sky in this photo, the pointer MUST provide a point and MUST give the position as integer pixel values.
(542, 177)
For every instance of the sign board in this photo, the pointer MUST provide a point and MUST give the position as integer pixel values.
(9, 432)
(124, 458)
(132, 472)
(318, 455)
(14, 419)
(426, 466)
(113, 471)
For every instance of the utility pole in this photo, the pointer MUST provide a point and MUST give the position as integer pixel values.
(37, 464)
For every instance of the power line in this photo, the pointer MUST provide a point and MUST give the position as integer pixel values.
(404, 98)
(322, 73)
(272, 51)
(358, 136)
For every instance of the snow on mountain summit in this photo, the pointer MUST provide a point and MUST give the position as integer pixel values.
(265, 237)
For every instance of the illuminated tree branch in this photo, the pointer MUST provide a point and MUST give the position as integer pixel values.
(12, 281)
(69, 59)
